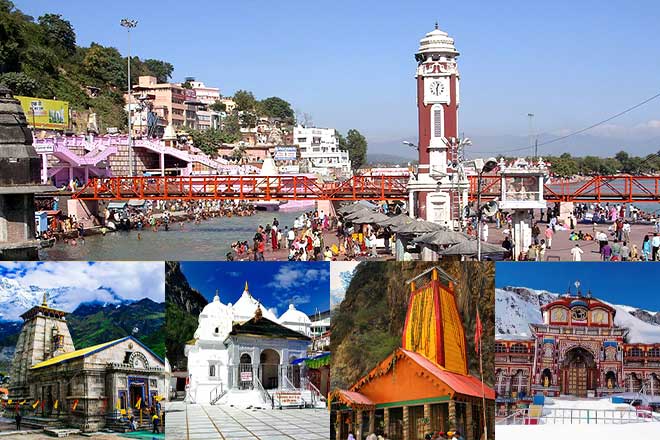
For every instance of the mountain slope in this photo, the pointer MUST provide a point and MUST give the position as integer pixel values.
(517, 307)
(183, 306)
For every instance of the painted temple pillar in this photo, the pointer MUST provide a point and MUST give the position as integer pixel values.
(406, 424)
(372, 421)
(339, 423)
(468, 422)
(427, 414)
(452, 415)
(386, 421)
(358, 424)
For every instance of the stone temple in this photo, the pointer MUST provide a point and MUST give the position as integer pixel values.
(91, 388)
(20, 168)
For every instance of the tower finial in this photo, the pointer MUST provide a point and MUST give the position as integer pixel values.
(436, 24)
(217, 295)
(44, 303)
(246, 286)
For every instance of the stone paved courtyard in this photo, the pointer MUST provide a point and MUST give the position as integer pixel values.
(210, 422)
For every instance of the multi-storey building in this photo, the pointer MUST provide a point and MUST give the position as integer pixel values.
(321, 147)
(578, 351)
(205, 94)
(168, 99)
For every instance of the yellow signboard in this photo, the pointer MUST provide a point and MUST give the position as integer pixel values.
(47, 114)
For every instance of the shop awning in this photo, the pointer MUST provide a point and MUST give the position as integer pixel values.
(318, 361)
(352, 399)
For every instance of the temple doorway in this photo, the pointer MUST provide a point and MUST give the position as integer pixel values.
(579, 372)
(269, 365)
(136, 392)
(245, 372)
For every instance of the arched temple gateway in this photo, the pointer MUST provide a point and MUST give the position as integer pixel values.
(244, 355)
(577, 350)
(424, 386)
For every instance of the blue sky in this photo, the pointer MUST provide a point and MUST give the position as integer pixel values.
(350, 64)
(632, 284)
(274, 284)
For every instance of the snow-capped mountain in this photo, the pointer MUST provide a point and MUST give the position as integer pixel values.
(517, 307)
(15, 298)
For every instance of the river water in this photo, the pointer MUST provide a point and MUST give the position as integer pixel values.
(210, 240)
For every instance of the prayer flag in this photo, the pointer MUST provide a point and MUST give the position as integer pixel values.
(119, 404)
(139, 401)
(477, 333)
(56, 404)
(75, 405)
(35, 404)
(22, 402)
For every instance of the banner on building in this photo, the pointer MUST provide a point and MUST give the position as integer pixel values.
(286, 153)
(48, 114)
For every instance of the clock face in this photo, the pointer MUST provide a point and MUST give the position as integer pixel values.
(436, 88)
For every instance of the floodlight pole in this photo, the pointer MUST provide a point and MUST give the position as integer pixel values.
(129, 24)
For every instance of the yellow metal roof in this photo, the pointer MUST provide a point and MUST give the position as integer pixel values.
(74, 354)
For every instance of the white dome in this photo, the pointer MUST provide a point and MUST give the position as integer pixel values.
(437, 41)
(296, 320)
(215, 321)
(246, 306)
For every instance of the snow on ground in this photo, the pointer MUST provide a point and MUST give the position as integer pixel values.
(638, 330)
(513, 315)
(634, 431)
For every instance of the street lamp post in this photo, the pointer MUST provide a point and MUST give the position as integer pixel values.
(129, 24)
(489, 166)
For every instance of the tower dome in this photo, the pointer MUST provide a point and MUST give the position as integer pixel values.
(436, 42)
(296, 320)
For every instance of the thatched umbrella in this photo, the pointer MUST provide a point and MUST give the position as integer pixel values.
(396, 220)
(367, 217)
(442, 237)
(469, 247)
(354, 207)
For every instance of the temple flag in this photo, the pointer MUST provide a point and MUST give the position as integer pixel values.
(35, 404)
(139, 401)
(43, 404)
(119, 404)
(477, 333)
(9, 402)
(75, 405)
(57, 402)
(22, 402)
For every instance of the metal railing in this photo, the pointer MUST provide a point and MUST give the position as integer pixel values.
(265, 395)
(315, 392)
(578, 416)
(216, 394)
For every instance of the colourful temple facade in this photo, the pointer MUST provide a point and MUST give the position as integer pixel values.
(424, 386)
(576, 351)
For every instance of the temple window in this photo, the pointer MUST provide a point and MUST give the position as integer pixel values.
(500, 348)
(212, 370)
(518, 348)
(654, 352)
(636, 352)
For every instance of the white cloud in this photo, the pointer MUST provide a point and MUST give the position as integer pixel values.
(130, 280)
(290, 277)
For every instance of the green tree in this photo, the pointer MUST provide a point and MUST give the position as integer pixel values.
(356, 145)
(248, 119)
(275, 107)
(19, 83)
(105, 65)
(12, 39)
(231, 129)
(58, 33)
(160, 69)
(218, 106)
(245, 101)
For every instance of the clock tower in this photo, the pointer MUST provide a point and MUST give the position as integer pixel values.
(438, 189)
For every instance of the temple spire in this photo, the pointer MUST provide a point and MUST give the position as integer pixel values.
(246, 286)
(436, 24)
(217, 295)
(44, 303)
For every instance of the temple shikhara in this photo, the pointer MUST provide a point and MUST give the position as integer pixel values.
(577, 350)
(425, 385)
(53, 384)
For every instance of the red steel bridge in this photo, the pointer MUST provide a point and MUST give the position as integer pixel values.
(621, 189)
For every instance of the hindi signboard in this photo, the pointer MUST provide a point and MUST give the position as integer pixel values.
(45, 114)
(286, 153)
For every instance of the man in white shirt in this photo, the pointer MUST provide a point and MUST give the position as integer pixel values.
(576, 252)
(655, 243)
(290, 236)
